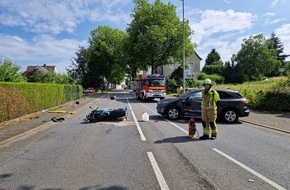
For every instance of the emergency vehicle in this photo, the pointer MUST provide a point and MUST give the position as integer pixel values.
(149, 86)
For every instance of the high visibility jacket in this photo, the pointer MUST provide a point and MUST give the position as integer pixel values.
(210, 99)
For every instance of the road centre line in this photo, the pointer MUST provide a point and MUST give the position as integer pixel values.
(251, 170)
(231, 159)
(162, 183)
(157, 171)
(136, 122)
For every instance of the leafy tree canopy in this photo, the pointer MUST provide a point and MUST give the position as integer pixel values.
(79, 65)
(50, 77)
(278, 46)
(156, 35)
(104, 57)
(212, 58)
(255, 59)
(10, 72)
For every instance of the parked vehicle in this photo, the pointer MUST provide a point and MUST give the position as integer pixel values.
(232, 105)
(105, 114)
(90, 90)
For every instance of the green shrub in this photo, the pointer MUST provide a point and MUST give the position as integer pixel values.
(218, 79)
(18, 99)
(271, 94)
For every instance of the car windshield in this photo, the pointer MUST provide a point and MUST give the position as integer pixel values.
(157, 82)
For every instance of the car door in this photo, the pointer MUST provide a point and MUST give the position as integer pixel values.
(192, 104)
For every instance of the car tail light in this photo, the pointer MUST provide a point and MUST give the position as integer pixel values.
(244, 102)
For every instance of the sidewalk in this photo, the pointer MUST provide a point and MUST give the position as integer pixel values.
(17, 126)
(20, 125)
(280, 122)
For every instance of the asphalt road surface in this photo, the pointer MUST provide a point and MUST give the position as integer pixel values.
(134, 154)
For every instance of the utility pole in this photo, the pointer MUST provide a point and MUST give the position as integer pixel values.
(183, 47)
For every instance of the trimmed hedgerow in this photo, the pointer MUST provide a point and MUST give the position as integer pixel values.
(18, 99)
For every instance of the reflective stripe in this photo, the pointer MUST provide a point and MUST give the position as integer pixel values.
(206, 131)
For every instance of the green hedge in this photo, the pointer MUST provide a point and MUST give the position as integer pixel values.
(18, 99)
(269, 95)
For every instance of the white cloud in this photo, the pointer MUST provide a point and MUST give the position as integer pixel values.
(269, 14)
(283, 32)
(43, 49)
(219, 30)
(213, 21)
(276, 2)
(224, 47)
(56, 16)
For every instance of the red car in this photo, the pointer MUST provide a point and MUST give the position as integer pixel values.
(90, 90)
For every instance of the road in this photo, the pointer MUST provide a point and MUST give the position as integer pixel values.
(134, 154)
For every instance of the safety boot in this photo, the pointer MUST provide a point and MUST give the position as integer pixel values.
(204, 137)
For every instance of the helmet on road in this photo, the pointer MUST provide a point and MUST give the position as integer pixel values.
(207, 81)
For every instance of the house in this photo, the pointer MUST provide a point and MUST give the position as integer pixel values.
(45, 69)
(193, 71)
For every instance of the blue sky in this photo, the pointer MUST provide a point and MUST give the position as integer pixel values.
(37, 32)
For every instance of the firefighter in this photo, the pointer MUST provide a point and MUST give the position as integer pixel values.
(210, 100)
(179, 90)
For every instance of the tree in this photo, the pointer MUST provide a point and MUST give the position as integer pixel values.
(50, 77)
(79, 66)
(287, 69)
(104, 57)
(10, 72)
(155, 35)
(216, 68)
(212, 57)
(278, 46)
(232, 73)
(255, 59)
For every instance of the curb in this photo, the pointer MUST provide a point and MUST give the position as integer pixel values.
(265, 126)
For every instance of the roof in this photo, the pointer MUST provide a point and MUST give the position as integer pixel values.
(197, 55)
(43, 68)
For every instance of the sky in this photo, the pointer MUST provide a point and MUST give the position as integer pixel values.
(37, 32)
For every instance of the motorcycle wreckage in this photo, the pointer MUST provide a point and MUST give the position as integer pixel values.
(105, 114)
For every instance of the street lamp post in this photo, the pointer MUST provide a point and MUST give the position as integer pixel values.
(183, 47)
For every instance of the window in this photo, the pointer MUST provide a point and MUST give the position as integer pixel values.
(195, 97)
(224, 95)
(171, 66)
(157, 82)
(191, 65)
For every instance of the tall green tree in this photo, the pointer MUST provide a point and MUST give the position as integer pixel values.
(10, 72)
(255, 59)
(155, 35)
(232, 73)
(79, 66)
(278, 46)
(212, 58)
(105, 57)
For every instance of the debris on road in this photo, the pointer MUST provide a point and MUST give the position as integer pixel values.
(54, 119)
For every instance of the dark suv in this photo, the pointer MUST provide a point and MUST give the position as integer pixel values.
(232, 105)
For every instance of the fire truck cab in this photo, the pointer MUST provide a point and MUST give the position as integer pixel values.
(149, 86)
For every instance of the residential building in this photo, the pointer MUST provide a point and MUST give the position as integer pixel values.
(193, 71)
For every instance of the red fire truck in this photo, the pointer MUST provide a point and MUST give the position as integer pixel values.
(149, 86)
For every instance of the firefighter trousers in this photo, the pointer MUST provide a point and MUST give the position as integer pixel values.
(209, 117)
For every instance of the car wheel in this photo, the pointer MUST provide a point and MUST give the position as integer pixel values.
(173, 113)
(230, 115)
